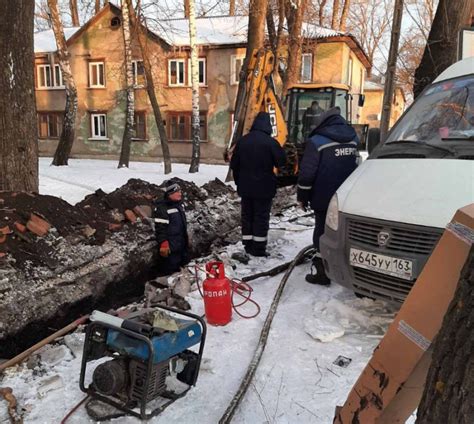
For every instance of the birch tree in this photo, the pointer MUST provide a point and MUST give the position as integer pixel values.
(195, 120)
(128, 133)
(74, 12)
(66, 139)
(18, 125)
(294, 10)
(139, 25)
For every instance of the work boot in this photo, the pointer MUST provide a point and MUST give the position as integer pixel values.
(318, 274)
(255, 251)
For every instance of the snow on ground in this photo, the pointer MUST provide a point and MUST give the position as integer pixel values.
(297, 380)
(84, 176)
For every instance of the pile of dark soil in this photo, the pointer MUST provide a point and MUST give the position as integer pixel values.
(89, 222)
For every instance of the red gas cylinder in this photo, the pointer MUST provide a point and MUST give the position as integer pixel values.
(217, 295)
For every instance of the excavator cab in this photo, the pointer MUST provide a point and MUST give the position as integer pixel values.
(305, 103)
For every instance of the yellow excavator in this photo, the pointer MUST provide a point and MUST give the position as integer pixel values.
(292, 128)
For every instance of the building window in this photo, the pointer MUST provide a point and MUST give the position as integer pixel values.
(96, 75)
(98, 125)
(349, 72)
(306, 67)
(179, 126)
(139, 79)
(202, 71)
(139, 125)
(176, 73)
(48, 79)
(236, 63)
(49, 124)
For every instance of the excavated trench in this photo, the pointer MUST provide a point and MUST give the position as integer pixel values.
(96, 255)
(117, 294)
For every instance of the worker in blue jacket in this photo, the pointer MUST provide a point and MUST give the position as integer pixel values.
(329, 158)
(171, 230)
(254, 159)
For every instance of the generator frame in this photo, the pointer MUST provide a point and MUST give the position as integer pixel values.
(142, 403)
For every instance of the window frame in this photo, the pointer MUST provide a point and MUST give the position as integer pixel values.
(95, 63)
(135, 73)
(234, 79)
(48, 114)
(43, 68)
(200, 60)
(178, 84)
(188, 126)
(145, 129)
(93, 136)
(302, 79)
(350, 68)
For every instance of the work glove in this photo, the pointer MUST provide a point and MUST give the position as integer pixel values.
(165, 249)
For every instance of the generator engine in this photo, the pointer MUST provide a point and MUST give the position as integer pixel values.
(142, 368)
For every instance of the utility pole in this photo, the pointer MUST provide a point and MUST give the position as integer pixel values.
(389, 88)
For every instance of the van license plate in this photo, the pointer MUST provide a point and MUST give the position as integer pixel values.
(402, 268)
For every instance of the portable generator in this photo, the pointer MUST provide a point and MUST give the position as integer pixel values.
(141, 368)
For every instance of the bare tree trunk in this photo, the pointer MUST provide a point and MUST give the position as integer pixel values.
(335, 15)
(74, 13)
(66, 140)
(130, 110)
(322, 5)
(275, 35)
(255, 41)
(448, 397)
(271, 25)
(18, 124)
(232, 8)
(150, 88)
(186, 8)
(294, 16)
(345, 13)
(389, 88)
(195, 127)
(441, 49)
(97, 6)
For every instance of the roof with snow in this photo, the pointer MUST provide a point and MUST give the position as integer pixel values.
(215, 30)
(45, 41)
(221, 30)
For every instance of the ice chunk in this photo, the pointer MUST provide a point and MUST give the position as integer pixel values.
(323, 330)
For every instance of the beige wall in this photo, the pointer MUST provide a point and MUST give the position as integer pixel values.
(372, 110)
(332, 66)
(100, 42)
(217, 98)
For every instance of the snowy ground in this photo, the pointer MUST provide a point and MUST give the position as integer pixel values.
(296, 381)
(82, 177)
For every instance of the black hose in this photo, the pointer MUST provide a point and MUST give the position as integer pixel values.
(235, 402)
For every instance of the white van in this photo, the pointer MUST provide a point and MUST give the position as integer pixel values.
(384, 221)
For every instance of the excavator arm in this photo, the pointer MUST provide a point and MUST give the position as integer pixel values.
(258, 95)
